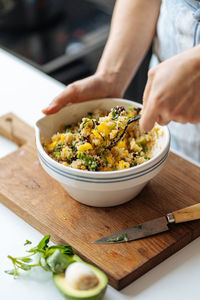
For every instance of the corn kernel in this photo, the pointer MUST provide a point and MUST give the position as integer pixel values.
(96, 134)
(52, 146)
(121, 144)
(122, 165)
(104, 129)
(110, 159)
(84, 147)
(62, 137)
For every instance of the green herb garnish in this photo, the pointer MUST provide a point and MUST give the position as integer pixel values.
(88, 161)
(114, 114)
(54, 258)
(133, 164)
(73, 147)
(86, 120)
(113, 126)
(27, 242)
(146, 157)
(104, 157)
(68, 129)
(139, 226)
(120, 238)
(58, 147)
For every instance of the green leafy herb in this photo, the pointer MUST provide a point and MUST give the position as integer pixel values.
(86, 120)
(120, 238)
(88, 161)
(58, 147)
(145, 149)
(27, 242)
(54, 258)
(113, 126)
(139, 226)
(104, 157)
(68, 128)
(131, 108)
(146, 157)
(114, 114)
(133, 164)
(57, 155)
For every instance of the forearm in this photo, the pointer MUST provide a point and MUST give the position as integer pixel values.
(132, 30)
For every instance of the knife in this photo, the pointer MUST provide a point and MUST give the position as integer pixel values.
(152, 227)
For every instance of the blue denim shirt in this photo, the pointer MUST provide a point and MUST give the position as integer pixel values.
(178, 29)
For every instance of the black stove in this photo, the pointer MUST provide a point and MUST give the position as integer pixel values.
(69, 46)
(63, 38)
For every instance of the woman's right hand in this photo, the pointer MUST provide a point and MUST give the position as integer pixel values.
(93, 87)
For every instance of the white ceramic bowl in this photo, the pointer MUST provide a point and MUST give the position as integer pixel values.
(100, 189)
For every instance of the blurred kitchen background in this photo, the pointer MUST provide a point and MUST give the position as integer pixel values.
(63, 38)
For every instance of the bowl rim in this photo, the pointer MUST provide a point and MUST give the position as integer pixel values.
(152, 161)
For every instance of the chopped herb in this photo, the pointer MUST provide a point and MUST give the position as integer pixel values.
(133, 164)
(58, 147)
(104, 157)
(68, 129)
(114, 114)
(27, 242)
(44, 145)
(57, 155)
(146, 157)
(74, 149)
(139, 226)
(88, 161)
(86, 120)
(120, 238)
(131, 108)
(113, 126)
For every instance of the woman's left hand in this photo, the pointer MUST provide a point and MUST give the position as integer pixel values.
(172, 91)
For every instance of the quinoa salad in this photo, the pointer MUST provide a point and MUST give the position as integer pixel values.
(87, 145)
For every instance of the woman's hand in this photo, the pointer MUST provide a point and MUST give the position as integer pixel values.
(172, 91)
(93, 87)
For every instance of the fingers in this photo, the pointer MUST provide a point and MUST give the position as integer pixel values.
(65, 98)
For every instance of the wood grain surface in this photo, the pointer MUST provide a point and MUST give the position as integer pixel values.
(26, 189)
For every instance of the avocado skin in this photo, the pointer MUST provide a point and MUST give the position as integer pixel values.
(97, 297)
(69, 297)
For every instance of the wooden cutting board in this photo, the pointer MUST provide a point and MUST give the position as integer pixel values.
(37, 198)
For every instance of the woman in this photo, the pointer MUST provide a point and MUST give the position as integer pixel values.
(171, 92)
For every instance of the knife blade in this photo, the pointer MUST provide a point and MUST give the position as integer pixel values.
(152, 227)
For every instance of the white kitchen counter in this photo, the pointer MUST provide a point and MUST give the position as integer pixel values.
(25, 91)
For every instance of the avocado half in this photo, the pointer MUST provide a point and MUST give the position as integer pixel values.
(70, 293)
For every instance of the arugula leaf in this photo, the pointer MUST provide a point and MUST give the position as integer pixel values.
(55, 258)
(58, 261)
(64, 249)
(10, 272)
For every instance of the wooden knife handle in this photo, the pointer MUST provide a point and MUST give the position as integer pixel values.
(187, 214)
